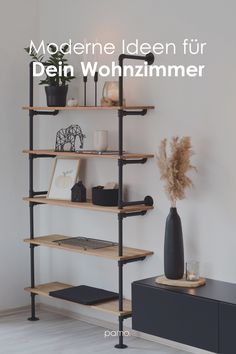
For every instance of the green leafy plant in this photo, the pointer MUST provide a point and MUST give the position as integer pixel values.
(58, 60)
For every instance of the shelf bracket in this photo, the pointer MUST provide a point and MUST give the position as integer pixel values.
(37, 156)
(34, 204)
(124, 317)
(39, 193)
(32, 245)
(148, 201)
(135, 213)
(143, 112)
(131, 162)
(131, 260)
(45, 113)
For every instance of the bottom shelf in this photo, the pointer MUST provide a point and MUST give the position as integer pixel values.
(109, 306)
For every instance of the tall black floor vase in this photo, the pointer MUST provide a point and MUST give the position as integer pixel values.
(173, 248)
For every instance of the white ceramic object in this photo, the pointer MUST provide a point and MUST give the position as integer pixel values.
(111, 91)
(100, 140)
(72, 102)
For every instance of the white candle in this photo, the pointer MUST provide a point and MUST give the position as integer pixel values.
(191, 276)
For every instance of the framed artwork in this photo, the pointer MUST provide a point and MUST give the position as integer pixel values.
(64, 176)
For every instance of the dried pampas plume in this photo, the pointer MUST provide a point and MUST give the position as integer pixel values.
(173, 168)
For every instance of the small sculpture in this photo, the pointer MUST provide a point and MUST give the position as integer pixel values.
(78, 192)
(69, 135)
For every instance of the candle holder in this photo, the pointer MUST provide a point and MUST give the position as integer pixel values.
(192, 271)
(95, 88)
(85, 78)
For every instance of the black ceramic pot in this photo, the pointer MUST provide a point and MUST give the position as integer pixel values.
(56, 95)
(173, 247)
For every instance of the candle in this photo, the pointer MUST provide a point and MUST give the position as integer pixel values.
(192, 271)
(191, 276)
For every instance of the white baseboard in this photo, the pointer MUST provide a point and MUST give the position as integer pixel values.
(113, 326)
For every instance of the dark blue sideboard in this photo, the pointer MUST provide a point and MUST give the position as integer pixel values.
(204, 317)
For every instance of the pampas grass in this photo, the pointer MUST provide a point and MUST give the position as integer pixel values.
(173, 168)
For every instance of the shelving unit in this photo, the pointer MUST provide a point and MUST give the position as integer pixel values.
(123, 255)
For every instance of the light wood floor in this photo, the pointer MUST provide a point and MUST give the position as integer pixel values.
(56, 334)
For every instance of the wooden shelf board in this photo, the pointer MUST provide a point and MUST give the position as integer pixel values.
(106, 252)
(88, 205)
(125, 156)
(85, 108)
(109, 306)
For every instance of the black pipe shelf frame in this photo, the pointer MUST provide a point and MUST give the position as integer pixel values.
(123, 212)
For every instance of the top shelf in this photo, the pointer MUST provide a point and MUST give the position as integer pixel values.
(85, 108)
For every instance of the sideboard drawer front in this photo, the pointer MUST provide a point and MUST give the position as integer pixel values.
(174, 316)
(227, 329)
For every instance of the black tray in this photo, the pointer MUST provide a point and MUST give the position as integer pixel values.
(85, 242)
(83, 294)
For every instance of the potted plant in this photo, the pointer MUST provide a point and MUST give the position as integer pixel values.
(57, 86)
(173, 169)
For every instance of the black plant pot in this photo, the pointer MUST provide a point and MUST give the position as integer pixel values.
(173, 248)
(56, 95)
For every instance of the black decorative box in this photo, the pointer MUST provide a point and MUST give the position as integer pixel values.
(104, 197)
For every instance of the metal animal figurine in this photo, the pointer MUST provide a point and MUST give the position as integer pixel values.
(69, 135)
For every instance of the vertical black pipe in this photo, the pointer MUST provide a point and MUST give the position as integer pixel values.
(120, 264)
(31, 189)
(121, 345)
(121, 81)
(120, 201)
(31, 129)
(120, 230)
(96, 88)
(120, 332)
(120, 267)
(120, 130)
(120, 179)
(120, 270)
(85, 89)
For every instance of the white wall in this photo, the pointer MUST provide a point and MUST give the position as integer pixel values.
(18, 22)
(202, 108)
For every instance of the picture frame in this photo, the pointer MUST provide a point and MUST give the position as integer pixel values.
(64, 175)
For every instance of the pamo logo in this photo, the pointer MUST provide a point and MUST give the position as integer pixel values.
(108, 333)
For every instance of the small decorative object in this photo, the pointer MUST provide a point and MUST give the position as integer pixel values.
(72, 102)
(173, 171)
(192, 270)
(100, 140)
(95, 88)
(85, 242)
(85, 79)
(64, 175)
(110, 94)
(68, 136)
(104, 196)
(56, 89)
(78, 192)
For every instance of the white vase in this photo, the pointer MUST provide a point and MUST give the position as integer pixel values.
(100, 140)
(111, 91)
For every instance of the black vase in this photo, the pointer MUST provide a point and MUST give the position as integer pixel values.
(56, 95)
(173, 247)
